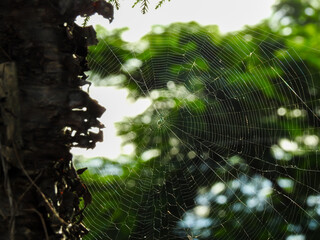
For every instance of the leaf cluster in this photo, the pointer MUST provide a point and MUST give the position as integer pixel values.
(144, 4)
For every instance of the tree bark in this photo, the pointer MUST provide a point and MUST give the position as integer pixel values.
(43, 113)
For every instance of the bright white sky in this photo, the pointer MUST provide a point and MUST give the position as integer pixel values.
(229, 15)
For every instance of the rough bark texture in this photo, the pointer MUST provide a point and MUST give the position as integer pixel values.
(43, 112)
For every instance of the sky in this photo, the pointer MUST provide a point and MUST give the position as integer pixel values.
(229, 15)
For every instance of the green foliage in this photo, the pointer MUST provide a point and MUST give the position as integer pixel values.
(115, 3)
(223, 109)
(160, 3)
(144, 4)
(86, 20)
(298, 12)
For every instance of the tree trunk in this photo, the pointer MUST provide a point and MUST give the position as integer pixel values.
(43, 112)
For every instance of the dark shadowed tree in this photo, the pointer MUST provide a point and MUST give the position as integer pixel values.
(43, 113)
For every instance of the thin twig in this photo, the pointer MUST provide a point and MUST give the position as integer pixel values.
(30, 186)
(41, 219)
(6, 54)
(53, 210)
(10, 195)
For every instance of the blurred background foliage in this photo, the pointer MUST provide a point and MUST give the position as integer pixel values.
(228, 148)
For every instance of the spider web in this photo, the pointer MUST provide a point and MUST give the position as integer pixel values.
(227, 149)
